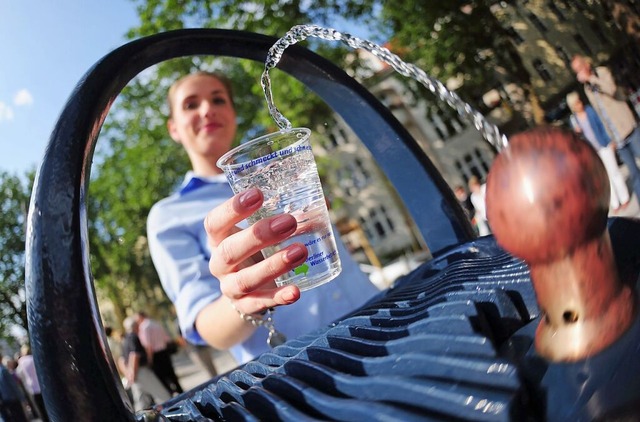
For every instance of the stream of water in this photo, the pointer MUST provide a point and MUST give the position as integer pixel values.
(300, 32)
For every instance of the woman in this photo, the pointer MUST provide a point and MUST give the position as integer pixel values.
(585, 121)
(213, 271)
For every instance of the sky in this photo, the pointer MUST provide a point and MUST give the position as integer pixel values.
(45, 48)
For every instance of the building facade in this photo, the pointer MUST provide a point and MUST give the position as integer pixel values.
(546, 34)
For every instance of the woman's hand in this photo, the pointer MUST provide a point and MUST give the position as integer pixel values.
(246, 279)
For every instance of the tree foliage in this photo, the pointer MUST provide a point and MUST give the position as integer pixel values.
(459, 40)
(14, 202)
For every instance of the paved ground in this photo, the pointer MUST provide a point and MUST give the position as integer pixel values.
(192, 374)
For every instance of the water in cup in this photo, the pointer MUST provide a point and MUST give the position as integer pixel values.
(284, 169)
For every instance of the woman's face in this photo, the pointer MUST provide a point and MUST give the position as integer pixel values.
(203, 118)
(578, 106)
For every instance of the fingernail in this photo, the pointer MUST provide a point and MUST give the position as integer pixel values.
(295, 253)
(282, 224)
(249, 198)
(288, 296)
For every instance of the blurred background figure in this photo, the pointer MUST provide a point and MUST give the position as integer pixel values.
(585, 121)
(115, 346)
(155, 340)
(145, 386)
(26, 370)
(614, 112)
(464, 200)
(11, 408)
(477, 197)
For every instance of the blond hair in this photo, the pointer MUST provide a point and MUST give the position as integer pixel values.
(572, 99)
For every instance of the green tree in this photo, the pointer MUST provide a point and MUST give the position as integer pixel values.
(458, 40)
(14, 200)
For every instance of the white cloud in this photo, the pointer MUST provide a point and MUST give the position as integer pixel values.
(22, 98)
(6, 112)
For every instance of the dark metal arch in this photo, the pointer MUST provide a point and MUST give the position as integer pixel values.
(65, 328)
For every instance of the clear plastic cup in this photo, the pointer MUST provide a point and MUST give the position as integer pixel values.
(282, 166)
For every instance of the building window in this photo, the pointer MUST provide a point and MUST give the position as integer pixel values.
(537, 22)
(474, 163)
(597, 30)
(383, 210)
(582, 43)
(542, 70)
(469, 167)
(360, 174)
(361, 169)
(445, 121)
(377, 224)
(515, 36)
(578, 4)
(564, 55)
(556, 11)
(333, 142)
(483, 162)
(365, 228)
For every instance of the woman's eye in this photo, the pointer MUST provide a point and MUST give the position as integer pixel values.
(219, 100)
(190, 105)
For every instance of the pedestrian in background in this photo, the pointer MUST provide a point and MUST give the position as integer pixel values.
(464, 200)
(11, 409)
(617, 117)
(478, 199)
(155, 340)
(146, 388)
(586, 122)
(26, 370)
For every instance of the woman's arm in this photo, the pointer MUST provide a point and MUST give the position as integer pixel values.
(181, 259)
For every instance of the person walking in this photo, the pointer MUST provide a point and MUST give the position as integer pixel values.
(478, 200)
(145, 386)
(11, 408)
(586, 122)
(26, 370)
(617, 117)
(155, 340)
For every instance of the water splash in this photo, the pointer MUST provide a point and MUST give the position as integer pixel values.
(300, 32)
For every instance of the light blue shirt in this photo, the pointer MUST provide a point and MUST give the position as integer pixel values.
(180, 253)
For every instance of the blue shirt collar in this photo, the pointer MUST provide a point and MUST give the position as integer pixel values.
(192, 182)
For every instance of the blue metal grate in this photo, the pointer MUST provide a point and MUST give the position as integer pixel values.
(451, 341)
(426, 349)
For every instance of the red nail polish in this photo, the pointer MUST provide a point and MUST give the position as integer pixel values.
(249, 198)
(282, 224)
(295, 254)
